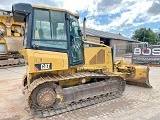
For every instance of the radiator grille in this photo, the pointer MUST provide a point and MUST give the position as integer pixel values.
(99, 58)
(93, 60)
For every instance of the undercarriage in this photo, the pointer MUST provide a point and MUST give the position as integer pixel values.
(11, 60)
(45, 97)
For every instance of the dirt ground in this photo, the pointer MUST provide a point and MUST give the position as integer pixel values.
(137, 103)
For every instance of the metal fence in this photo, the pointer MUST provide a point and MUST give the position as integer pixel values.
(124, 51)
(137, 53)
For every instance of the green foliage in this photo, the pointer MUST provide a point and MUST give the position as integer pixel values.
(145, 35)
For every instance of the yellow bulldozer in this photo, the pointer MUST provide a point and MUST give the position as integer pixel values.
(65, 72)
(11, 40)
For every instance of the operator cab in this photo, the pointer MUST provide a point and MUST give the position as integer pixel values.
(51, 29)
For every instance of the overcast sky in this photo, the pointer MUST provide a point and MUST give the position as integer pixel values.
(116, 16)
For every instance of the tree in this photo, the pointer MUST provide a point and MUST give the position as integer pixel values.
(145, 35)
(158, 36)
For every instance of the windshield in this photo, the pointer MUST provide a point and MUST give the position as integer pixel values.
(49, 29)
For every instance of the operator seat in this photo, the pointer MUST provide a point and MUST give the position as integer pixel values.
(41, 34)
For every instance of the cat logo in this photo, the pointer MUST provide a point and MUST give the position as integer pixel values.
(43, 66)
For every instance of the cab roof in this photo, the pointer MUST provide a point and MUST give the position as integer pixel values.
(56, 9)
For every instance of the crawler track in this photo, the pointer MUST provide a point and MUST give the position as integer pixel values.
(112, 87)
(11, 62)
(10, 66)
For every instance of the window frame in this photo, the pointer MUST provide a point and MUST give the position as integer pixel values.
(51, 30)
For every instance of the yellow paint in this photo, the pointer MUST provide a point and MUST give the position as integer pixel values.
(90, 52)
(58, 60)
(97, 58)
(60, 97)
(7, 24)
(131, 72)
(16, 34)
(3, 41)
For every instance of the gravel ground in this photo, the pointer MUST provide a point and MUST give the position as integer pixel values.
(137, 103)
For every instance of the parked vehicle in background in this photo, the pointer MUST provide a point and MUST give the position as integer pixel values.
(158, 43)
(11, 40)
(143, 44)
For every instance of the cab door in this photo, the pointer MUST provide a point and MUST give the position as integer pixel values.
(76, 43)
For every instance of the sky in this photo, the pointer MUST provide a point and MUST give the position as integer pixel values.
(115, 16)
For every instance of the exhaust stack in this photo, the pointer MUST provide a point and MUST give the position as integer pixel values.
(84, 28)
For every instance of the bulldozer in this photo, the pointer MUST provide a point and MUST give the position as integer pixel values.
(65, 72)
(11, 40)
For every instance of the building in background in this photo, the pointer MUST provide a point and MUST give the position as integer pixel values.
(123, 44)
